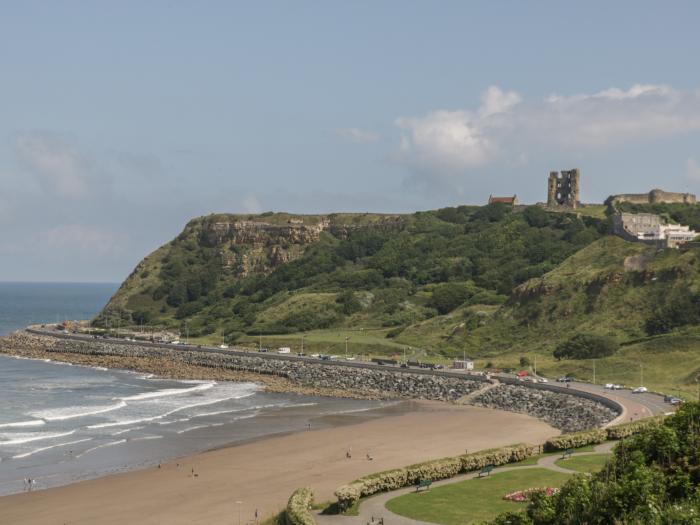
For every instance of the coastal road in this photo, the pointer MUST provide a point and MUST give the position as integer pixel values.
(636, 406)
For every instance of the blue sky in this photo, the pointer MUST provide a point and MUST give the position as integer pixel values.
(122, 120)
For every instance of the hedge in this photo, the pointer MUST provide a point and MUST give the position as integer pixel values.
(436, 469)
(576, 439)
(297, 511)
(624, 430)
(599, 435)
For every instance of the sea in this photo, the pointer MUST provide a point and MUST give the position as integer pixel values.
(61, 423)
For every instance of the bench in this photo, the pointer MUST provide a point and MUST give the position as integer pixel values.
(424, 484)
(567, 453)
(486, 470)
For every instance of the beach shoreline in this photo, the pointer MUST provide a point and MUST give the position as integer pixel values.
(263, 473)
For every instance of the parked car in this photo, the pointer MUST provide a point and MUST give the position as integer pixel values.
(676, 401)
(618, 387)
(542, 380)
(565, 379)
(639, 390)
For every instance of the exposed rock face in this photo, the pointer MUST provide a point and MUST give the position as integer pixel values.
(566, 412)
(260, 233)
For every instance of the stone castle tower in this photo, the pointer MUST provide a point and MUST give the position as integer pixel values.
(563, 189)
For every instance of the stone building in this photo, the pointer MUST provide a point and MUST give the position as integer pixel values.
(651, 229)
(655, 196)
(563, 189)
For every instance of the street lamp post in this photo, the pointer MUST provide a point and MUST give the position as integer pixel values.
(346, 347)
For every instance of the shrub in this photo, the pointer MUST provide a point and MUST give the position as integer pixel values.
(436, 469)
(297, 511)
(448, 296)
(576, 439)
(628, 429)
(586, 346)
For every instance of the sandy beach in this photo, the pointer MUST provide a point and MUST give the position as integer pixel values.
(205, 488)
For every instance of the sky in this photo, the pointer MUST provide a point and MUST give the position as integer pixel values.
(120, 121)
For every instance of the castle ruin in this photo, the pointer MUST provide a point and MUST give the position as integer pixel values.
(563, 189)
(655, 196)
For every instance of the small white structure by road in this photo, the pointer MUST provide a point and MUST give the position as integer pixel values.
(463, 364)
(284, 350)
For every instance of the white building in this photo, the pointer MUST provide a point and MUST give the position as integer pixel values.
(463, 364)
(671, 234)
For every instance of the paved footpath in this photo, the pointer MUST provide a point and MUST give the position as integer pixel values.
(374, 508)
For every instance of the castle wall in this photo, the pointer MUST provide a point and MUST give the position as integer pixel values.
(655, 197)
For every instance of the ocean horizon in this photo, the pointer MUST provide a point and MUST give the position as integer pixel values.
(24, 303)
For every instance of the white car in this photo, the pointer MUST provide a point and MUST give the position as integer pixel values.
(639, 390)
(542, 380)
(609, 386)
(223, 347)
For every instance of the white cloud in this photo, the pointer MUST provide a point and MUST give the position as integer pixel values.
(505, 129)
(57, 166)
(494, 100)
(357, 135)
(445, 140)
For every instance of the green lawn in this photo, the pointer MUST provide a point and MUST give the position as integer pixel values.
(474, 500)
(592, 463)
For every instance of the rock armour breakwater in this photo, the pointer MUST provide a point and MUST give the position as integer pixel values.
(569, 413)
(566, 411)
(375, 382)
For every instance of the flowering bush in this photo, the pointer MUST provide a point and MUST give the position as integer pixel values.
(436, 469)
(522, 496)
(297, 511)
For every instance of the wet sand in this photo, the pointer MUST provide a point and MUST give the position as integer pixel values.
(206, 488)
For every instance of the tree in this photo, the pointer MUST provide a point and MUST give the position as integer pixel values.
(348, 302)
(448, 296)
(586, 346)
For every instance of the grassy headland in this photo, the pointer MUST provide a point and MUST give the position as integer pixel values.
(505, 286)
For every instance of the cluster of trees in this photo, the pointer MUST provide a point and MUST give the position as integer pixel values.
(680, 309)
(462, 255)
(586, 346)
(653, 478)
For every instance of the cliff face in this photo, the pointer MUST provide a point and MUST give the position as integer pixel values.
(217, 251)
(248, 247)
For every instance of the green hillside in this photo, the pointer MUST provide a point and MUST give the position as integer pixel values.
(494, 282)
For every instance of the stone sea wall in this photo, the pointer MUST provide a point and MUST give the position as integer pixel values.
(563, 410)
(376, 381)
(569, 413)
